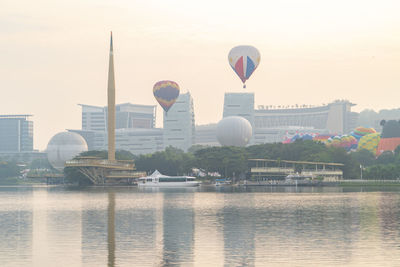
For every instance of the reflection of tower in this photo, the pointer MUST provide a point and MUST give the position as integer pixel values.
(111, 229)
(178, 222)
(111, 105)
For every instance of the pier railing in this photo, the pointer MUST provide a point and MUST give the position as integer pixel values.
(98, 163)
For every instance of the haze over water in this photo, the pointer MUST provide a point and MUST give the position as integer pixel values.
(48, 226)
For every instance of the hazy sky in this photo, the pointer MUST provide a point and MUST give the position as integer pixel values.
(54, 54)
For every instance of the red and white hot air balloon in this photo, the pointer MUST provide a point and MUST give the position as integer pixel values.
(244, 59)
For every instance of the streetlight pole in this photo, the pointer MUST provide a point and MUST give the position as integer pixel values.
(361, 169)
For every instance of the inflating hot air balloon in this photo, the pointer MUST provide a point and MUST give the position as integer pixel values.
(369, 142)
(323, 138)
(244, 59)
(348, 142)
(362, 131)
(166, 93)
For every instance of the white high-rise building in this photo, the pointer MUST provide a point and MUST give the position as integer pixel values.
(239, 104)
(179, 123)
(128, 115)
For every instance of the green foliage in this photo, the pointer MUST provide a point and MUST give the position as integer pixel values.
(228, 161)
(40, 164)
(9, 169)
(171, 161)
(364, 157)
(233, 161)
(102, 154)
(72, 175)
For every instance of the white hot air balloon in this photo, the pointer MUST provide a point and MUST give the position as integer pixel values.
(234, 131)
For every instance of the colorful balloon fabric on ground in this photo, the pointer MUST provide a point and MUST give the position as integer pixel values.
(321, 138)
(244, 59)
(362, 131)
(369, 142)
(348, 142)
(166, 93)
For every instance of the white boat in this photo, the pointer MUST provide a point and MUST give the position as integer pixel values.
(221, 182)
(156, 179)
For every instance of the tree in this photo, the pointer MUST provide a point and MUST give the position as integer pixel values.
(171, 161)
(364, 157)
(386, 157)
(9, 169)
(224, 160)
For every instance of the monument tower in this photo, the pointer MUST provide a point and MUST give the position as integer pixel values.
(111, 105)
(112, 171)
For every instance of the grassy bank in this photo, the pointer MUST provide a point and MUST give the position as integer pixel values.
(16, 181)
(370, 183)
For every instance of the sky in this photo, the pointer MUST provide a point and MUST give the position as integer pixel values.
(54, 54)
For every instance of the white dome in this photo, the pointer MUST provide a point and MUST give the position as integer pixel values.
(64, 146)
(234, 131)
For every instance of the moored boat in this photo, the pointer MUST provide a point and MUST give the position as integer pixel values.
(156, 179)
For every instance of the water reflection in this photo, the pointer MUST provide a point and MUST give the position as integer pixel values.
(178, 229)
(232, 227)
(111, 229)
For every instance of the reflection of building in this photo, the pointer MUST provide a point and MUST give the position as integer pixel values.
(239, 230)
(16, 133)
(179, 123)
(127, 116)
(178, 229)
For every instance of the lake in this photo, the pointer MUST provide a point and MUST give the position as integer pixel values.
(206, 226)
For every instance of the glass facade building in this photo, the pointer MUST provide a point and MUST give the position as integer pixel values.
(16, 133)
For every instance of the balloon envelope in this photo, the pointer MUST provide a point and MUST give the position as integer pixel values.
(166, 93)
(369, 142)
(244, 59)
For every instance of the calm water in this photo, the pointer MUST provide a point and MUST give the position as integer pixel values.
(49, 226)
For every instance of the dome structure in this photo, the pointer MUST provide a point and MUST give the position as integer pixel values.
(234, 131)
(64, 146)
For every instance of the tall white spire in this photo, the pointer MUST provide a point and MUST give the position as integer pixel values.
(111, 105)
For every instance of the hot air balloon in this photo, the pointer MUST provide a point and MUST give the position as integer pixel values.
(244, 59)
(166, 93)
(362, 131)
(348, 142)
(369, 142)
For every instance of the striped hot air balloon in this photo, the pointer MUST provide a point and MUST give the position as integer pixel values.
(244, 59)
(166, 93)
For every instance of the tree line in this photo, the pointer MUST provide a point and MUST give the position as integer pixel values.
(233, 161)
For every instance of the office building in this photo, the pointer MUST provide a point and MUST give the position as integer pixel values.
(335, 117)
(94, 118)
(179, 123)
(239, 104)
(206, 135)
(137, 141)
(16, 133)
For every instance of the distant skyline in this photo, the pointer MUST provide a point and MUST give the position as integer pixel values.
(55, 54)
